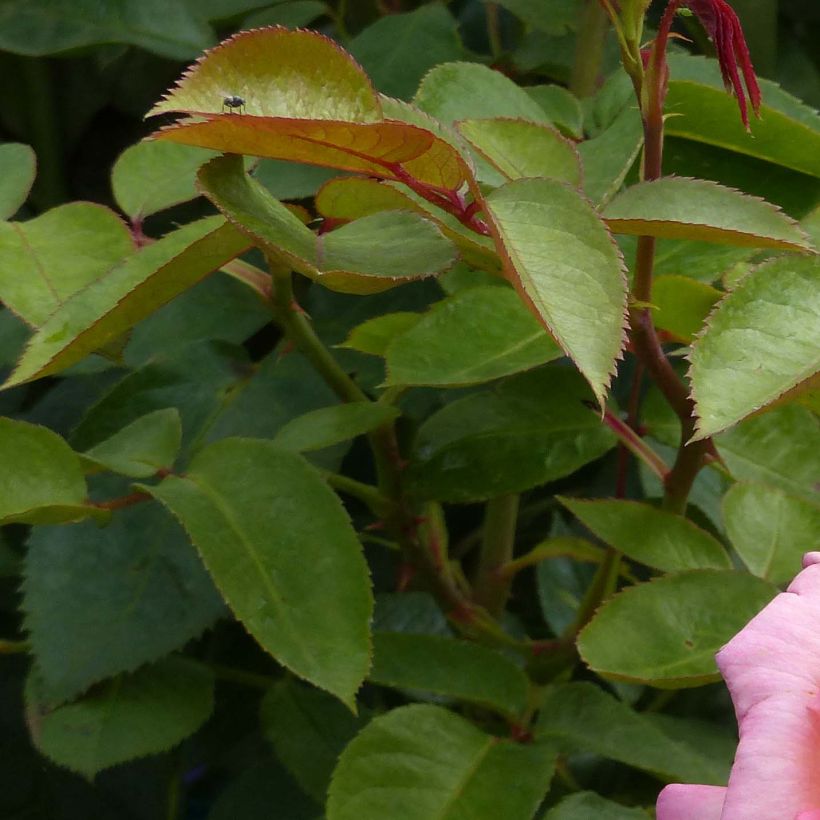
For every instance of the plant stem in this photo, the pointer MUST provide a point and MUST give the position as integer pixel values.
(174, 800)
(633, 443)
(492, 587)
(366, 493)
(602, 586)
(494, 30)
(589, 50)
(14, 647)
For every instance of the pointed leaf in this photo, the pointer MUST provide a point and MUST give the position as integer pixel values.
(18, 167)
(477, 335)
(143, 447)
(562, 260)
(561, 106)
(47, 259)
(762, 340)
(583, 717)
(518, 148)
(374, 335)
(329, 425)
(141, 714)
(654, 537)
(682, 208)
(449, 667)
(677, 624)
(42, 478)
(365, 256)
(128, 293)
(156, 597)
(151, 176)
(531, 429)
(282, 551)
(419, 762)
(305, 100)
(770, 530)
(309, 729)
(460, 91)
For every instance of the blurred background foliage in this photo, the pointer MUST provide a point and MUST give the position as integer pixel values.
(76, 78)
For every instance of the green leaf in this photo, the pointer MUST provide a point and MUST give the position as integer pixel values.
(156, 597)
(561, 106)
(42, 477)
(282, 552)
(477, 335)
(46, 260)
(419, 762)
(397, 50)
(530, 430)
(143, 447)
(681, 208)
(591, 806)
(18, 167)
(518, 148)
(681, 305)
(290, 13)
(677, 624)
(762, 340)
(125, 295)
(566, 266)
(43, 27)
(321, 428)
(608, 156)
(151, 176)
(294, 111)
(654, 537)
(708, 114)
(770, 530)
(308, 729)
(141, 714)
(412, 612)
(551, 16)
(460, 91)
(582, 717)
(449, 667)
(365, 256)
(374, 335)
(781, 447)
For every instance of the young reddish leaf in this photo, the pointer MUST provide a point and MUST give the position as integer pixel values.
(303, 99)
(567, 268)
(355, 197)
(368, 255)
(761, 341)
(47, 259)
(681, 208)
(519, 148)
(126, 294)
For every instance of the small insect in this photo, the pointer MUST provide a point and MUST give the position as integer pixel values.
(232, 103)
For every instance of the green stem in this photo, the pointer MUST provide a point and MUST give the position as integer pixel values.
(602, 586)
(44, 131)
(174, 799)
(589, 50)
(366, 493)
(494, 30)
(296, 326)
(492, 586)
(249, 275)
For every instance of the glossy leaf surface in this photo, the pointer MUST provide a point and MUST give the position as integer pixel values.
(145, 713)
(477, 335)
(762, 340)
(565, 265)
(680, 208)
(419, 762)
(445, 666)
(678, 623)
(651, 536)
(282, 552)
(770, 530)
(128, 293)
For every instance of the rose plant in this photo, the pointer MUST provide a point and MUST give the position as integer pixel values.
(458, 425)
